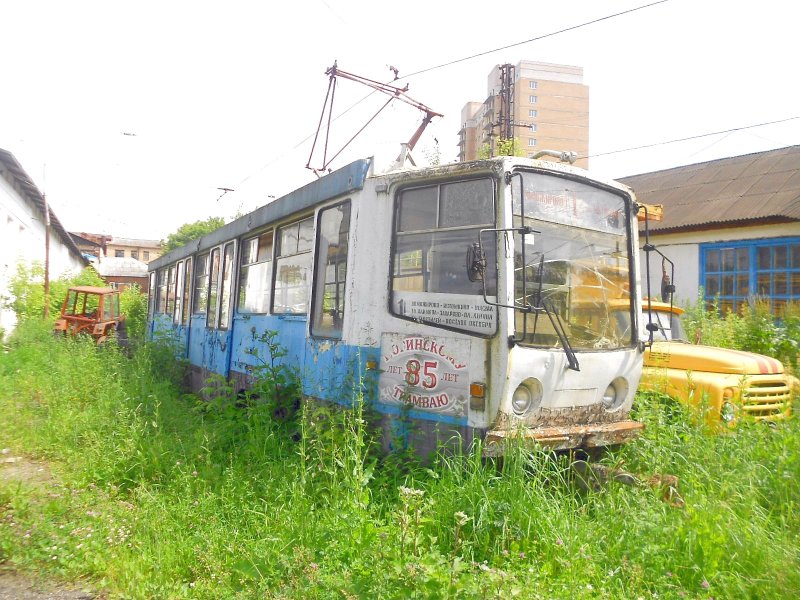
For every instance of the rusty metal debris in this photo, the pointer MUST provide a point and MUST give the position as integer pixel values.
(594, 476)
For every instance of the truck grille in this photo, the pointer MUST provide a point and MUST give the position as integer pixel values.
(767, 399)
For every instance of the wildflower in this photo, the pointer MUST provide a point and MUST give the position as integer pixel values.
(194, 473)
(705, 584)
(408, 493)
(461, 518)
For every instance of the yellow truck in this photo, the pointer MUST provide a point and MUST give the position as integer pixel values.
(726, 384)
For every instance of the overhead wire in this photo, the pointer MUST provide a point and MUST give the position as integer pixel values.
(692, 137)
(535, 39)
(470, 57)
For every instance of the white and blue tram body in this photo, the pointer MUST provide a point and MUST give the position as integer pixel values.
(466, 301)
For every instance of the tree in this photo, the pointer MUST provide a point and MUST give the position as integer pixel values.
(505, 147)
(191, 231)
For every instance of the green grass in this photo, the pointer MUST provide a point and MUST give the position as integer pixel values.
(157, 495)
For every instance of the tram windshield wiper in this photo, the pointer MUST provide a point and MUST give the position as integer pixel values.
(555, 320)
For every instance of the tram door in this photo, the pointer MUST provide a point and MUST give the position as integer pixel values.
(212, 349)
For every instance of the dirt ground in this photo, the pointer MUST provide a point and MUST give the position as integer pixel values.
(15, 585)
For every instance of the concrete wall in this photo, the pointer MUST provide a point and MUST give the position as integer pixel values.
(684, 250)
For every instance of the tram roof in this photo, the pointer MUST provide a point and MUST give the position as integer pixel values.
(342, 181)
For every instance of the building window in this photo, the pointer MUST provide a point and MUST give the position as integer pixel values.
(532, 99)
(532, 126)
(135, 254)
(119, 253)
(145, 255)
(531, 141)
(737, 273)
(532, 112)
(533, 84)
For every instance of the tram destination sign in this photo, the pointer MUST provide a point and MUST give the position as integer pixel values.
(429, 373)
(466, 312)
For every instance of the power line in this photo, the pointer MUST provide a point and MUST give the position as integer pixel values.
(692, 137)
(536, 39)
(466, 58)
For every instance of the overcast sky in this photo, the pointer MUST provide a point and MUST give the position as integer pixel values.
(228, 94)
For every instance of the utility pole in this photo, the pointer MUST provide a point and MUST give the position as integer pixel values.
(506, 120)
(46, 257)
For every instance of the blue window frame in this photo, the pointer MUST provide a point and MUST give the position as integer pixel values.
(737, 272)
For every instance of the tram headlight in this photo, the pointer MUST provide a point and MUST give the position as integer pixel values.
(615, 394)
(528, 395)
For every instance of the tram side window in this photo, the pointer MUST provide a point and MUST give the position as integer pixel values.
(176, 315)
(256, 274)
(201, 284)
(161, 295)
(151, 294)
(187, 289)
(330, 271)
(170, 304)
(213, 288)
(225, 287)
(292, 267)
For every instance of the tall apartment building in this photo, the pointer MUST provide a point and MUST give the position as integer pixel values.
(542, 105)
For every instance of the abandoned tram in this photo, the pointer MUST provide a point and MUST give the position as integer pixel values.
(466, 301)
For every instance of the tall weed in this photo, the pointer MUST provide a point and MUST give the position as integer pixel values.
(754, 329)
(162, 494)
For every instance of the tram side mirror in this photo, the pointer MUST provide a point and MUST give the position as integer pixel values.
(476, 262)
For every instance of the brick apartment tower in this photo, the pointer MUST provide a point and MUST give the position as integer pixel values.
(544, 106)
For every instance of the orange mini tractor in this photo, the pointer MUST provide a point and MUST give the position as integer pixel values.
(90, 310)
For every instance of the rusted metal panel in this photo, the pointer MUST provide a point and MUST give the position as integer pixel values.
(568, 436)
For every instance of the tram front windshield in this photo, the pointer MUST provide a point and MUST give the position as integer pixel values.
(572, 266)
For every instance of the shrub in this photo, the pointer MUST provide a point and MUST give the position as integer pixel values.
(754, 329)
(133, 304)
(27, 290)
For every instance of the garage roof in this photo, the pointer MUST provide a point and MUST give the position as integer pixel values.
(740, 190)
